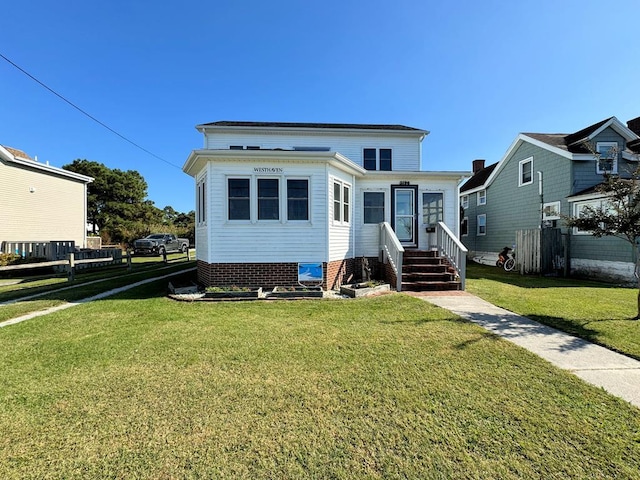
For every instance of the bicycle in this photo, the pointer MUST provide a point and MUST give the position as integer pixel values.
(506, 259)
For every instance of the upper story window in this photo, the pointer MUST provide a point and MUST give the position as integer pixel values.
(482, 197)
(341, 202)
(242, 147)
(525, 172)
(464, 201)
(607, 157)
(373, 207)
(377, 159)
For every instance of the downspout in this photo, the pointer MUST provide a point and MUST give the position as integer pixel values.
(327, 222)
(540, 192)
(353, 221)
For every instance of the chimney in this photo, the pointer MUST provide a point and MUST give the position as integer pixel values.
(634, 125)
(478, 165)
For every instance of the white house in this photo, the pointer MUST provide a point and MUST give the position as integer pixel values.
(272, 196)
(39, 202)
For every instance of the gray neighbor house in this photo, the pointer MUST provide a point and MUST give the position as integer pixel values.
(541, 177)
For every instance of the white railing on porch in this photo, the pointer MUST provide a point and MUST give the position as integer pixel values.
(391, 251)
(453, 250)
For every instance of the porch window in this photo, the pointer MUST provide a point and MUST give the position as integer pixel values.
(432, 208)
(201, 203)
(482, 225)
(341, 202)
(373, 207)
(297, 199)
(239, 199)
(268, 199)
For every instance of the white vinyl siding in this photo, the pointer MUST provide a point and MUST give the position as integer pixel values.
(406, 150)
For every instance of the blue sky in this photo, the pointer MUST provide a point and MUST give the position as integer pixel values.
(474, 74)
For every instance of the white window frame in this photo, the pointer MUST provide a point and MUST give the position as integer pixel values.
(464, 201)
(482, 197)
(614, 165)
(201, 201)
(551, 211)
(384, 206)
(594, 203)
(482, 216)
(283, 198)
(521, 165)
(341, 202)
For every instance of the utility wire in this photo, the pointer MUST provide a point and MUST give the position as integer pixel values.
(89, 115)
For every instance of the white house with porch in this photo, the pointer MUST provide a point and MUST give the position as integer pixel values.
(271, 197)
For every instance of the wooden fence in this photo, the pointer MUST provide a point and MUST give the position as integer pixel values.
(540, 251)
(53, 250)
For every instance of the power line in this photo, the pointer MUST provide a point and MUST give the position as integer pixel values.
(88, 114)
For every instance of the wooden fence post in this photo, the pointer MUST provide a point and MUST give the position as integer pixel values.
(188, 255)
(164, 255)
(128, 260)
(72, 267)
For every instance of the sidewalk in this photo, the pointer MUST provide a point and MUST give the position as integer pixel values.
(616, 373)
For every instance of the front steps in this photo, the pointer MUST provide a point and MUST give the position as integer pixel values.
(424, 271)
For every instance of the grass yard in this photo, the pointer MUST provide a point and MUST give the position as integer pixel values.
(139, 386)
(598, 312)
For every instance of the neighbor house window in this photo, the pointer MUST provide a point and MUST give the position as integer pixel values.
(482, 224)
(201, 205)
(482, 197)
(551, 211)
(464, 227)
(607, 157)
(268, 199)
(525, 175)
(341, 202)
(432, 208)
(377, 159)
(239, 199)
(579, 210)
(297, 199)
(464, 201)
(373, 207)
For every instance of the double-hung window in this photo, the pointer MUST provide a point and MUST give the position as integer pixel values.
(201, 206)
(464, 201)
(482, 225)
(373, 207)
(297, 199)
(607, 157)
(377, 159)
(341, 202)
(525, 172)
(239, 196)
(482, 197)
(268, 199)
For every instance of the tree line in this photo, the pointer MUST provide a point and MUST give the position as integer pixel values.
(118, 209)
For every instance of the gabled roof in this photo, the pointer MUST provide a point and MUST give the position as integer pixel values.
(19, 158)
(575, 142)
(478, 179)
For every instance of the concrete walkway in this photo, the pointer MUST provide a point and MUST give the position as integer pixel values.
(616, 373)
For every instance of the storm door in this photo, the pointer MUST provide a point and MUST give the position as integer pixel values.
(403, 214)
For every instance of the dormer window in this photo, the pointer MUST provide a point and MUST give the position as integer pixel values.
(377, 159)
(607, 158)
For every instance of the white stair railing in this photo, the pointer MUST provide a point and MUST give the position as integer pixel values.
(391, 251)
(453, 250)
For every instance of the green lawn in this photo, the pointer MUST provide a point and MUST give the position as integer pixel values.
(598, 312)
(139, 386)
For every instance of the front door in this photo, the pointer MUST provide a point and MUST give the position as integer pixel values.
(403, 213)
